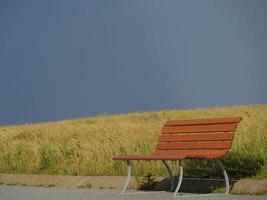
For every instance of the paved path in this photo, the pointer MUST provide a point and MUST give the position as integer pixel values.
(40, 193)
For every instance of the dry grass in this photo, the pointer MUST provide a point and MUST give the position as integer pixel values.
(85, 146)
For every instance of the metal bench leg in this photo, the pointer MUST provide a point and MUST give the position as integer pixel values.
(128, 177)
(226, 179)
(170, 173)
(128, 180)
(181, 171)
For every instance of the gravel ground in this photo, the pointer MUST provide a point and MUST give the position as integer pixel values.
(41, 193)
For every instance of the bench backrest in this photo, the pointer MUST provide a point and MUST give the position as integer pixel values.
(197, 138)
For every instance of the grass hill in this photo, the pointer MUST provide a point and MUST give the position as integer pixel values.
(85, 146)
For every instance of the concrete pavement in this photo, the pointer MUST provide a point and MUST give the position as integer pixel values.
(41, 193)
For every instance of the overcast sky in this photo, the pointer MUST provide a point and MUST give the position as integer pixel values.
(64, 59)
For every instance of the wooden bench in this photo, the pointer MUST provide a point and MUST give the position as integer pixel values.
(190, 139)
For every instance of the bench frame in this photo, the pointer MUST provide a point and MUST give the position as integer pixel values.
(180, 179)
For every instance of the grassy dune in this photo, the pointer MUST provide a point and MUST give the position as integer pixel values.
(85, 146)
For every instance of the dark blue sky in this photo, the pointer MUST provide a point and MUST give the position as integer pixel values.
(65, 59)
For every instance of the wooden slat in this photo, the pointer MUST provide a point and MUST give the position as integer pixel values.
(176, 155)
(149, 157)
(201, 154)
(232, 120)
(194, 145)
(199, 128)
(196, 137)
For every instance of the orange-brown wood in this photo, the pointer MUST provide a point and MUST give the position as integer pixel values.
(232, 120)
(196, 137)
(194, 145)
(149, 157)
(192, 153)
(176, 155)
(199, 128)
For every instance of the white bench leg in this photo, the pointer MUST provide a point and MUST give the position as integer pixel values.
(181, 171)
(128, 177)
(226, 179)
(170, 173)
(128, 180)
